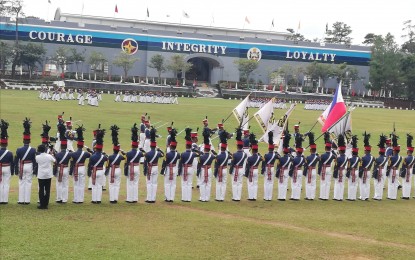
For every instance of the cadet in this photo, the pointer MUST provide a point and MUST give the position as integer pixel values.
(268, 167)
(6, 164)
(132, 167)
(25, 165)
(251, 169)
(170, 167)
(339, 167)
(221, 167)
(246, 142)
(365, 169)
(310, 168)
(324, 168)
(378, 175)
(113, 166)
(151, 167)
(237, 168)
(186, 168)
(77, 169)
(204, 167)
(296, 172)
(407, 168)
(61, 169)
(393, 166)
(352, 171)
(96, 167)
(283, 168)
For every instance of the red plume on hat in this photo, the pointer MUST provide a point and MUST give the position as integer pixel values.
(80, 135)
(100, 138)
(354, 144)
(286, 141)
(382, 142)
(134, 135)
(206, 135)
(173, 134)
(114, 136)
(409, 139)
(327, 139)
(223, 137)
(366, 138)
(4, 135)
(299, 143)
(271, 140)
(253, 141)
(27, 124)
(153, 135)
(311, 141)
(341, 143)
(188, 136)
(62, 132)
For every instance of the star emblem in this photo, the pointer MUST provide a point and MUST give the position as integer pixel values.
(129, 46)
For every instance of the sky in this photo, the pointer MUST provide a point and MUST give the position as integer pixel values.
(309, 17)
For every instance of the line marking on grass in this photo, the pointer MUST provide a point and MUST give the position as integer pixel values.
(295, 228)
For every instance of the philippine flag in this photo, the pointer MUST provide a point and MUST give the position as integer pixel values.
(334, 112)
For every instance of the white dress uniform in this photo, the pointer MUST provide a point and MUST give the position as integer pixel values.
(353, 178)
(379, 180)
(407, 179)
(6, 164)
(221, 168)
(62, 176)
(238, 165)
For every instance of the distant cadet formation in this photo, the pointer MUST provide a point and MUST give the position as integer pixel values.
(93, 97)
(290, 169)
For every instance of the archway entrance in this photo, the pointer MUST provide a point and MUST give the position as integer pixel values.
(206, 68)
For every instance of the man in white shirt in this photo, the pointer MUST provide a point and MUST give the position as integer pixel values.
(44, 175)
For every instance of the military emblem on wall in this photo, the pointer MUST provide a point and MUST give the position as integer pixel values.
(129, 46)
(254, 54)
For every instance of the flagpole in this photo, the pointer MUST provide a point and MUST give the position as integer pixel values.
(227, 117)
(313, 126)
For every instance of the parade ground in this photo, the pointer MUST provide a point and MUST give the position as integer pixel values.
(227, 230)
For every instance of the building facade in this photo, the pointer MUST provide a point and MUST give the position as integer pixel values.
(212, 50)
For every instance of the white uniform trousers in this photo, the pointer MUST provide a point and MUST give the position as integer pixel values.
(5, 184)
(89, 183)
(187, 178)
(142, 139)
(79, 185)
(237, 175)
(114, 187)
(352, 185)
(146, 145)
(364, 184)
(296, 184)
(325, 183)
(81, 100)
(97, 187)
(268, 182)
(151, 180)
(117, 98)
(406, 184)
(62, 187)
(283, 184)
(25, 183)
(198, 178)
(170, 181)
(393, 184)
(339, 186)
(132, 183)
(252, 183)
(221, 184)
(378, 183)
(206, 183)
(310, 184)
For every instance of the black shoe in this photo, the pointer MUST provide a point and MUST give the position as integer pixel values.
(135, 201)
(197, 186)
(75, 202)
(98, 202)
(40, 207)
(399, 187)
(89, 188)
(281, 199)
(112, 201)
(58, 201)
(26, 203)
(4, 203)
(390, 199)
(93, 202)
(128, 201)
(147, 201)
(367, 199)
(235, 200)
(405, 198)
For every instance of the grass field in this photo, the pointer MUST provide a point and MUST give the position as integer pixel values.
(228, 230)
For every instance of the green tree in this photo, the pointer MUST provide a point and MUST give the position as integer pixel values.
(339, 33)
(385, 64)
(157, 63)
(177, 64)
(76, 57)
(319, 72)
(32, 54)
(246, 67)
(6, 55)
(15, 8)
(61, 58)
(409, 45)
(346, 74)
(97, 61)
(370, 38)
(408, 75)
(295, 36)
(125, 61)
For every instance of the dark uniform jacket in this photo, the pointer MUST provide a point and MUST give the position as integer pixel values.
(133, 157)
(238, 161)
(31, 157)
(75, 156)
(252, 163)
(7, 159)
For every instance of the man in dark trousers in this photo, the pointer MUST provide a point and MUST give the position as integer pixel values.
(44, 175)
